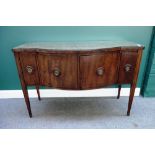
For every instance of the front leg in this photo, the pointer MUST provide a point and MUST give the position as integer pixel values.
(26, 97)
(134, 82)
(23, 84)
(132, 91)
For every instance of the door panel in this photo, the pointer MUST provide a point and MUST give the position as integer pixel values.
(63, 71)
(127, 66)
(29, 68)
(99, 70)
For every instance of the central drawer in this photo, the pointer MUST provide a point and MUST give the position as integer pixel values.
(98, 70)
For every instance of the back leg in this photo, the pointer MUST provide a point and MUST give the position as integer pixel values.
(37, 88)
(119, 91)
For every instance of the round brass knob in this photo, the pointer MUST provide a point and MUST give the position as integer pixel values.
(128, 67)
(100, 71)
(29, 69)
(56, 72)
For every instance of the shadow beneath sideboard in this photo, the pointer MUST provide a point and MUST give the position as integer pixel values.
(79, 108)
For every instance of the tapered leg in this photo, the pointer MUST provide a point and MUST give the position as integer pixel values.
(132, 91)
(37, 87)
(24, 87)
(119, 91)
(25, 92)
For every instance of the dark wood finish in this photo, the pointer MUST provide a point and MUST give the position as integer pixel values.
(65, 64)
(77, 70)
(134, 81)
(29, 68)
(23, 84)
(119, 91)
(98, 70)
(63, 71)
(26, 96)
(127, 66)
(43, 69)
(38, 92)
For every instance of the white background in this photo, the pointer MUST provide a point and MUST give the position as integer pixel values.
(79, 12)
(77, 142)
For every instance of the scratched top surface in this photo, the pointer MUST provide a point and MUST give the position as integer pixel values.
(78, 45)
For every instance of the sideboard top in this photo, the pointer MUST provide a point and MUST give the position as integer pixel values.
(78, 45)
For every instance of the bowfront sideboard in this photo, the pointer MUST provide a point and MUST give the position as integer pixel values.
(78, 66)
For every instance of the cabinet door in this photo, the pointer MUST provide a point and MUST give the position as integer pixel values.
(29, 68)
(127, 66)
(99, 70)
(58, 70)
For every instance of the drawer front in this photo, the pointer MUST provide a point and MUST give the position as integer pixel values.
(58, 70)
(127, 66)
(99, 70)
(29, 68)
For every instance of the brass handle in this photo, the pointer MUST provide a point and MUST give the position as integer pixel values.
(128, 67)
(29, 69)
(100, 71)
(56, 72)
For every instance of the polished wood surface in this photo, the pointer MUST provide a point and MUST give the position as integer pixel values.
(78, 69)
(29, 68)
(23, 84)
(127, 66)
(50, 65)
(134, 81)
(98, 70)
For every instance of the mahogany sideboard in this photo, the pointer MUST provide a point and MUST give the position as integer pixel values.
(78, 66)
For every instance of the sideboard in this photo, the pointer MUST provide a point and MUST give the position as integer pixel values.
(78, 66)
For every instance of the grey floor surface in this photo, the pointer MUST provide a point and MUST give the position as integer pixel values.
(81, 113)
